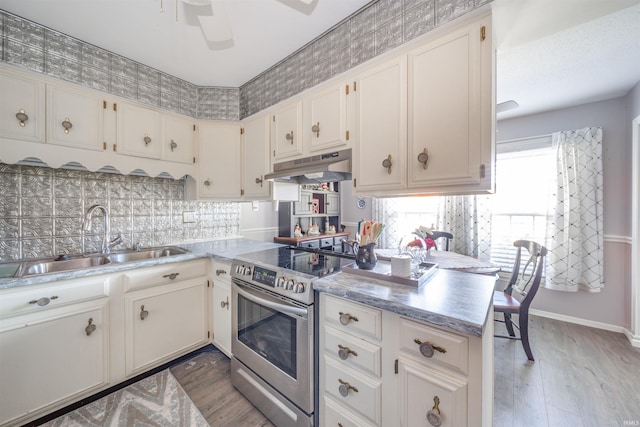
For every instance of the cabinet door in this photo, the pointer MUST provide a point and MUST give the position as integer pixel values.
(426, 393)
(219, 163)
(381, 128)
(138, 131)
(325, 123)
(255, 158)
(177, 139)
(222, 316)
(164, 322)
(50, 357)
(287, 136)
(332, 203)
(303, 207)
(74, 118)
(23, 96)
(445, 104)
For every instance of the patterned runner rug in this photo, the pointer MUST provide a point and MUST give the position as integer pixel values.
(156, 401)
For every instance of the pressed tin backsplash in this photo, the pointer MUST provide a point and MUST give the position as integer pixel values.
(42, 209)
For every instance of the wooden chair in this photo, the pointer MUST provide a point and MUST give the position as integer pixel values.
(438, 234)
(517, 296)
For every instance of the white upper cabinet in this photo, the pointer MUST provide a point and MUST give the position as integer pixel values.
(139, 131)
(255, 158)
(219, 169)
(21, 107)
(177, 139)
(287, 136)
(75, 118)
(380, 159)
(446, 139)
(325, 118)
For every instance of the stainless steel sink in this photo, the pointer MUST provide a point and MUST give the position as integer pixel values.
(51, 266)
(164, 251)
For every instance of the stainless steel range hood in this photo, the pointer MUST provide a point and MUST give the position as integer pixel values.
(329, 167)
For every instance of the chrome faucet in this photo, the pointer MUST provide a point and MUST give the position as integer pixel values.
(86, 226)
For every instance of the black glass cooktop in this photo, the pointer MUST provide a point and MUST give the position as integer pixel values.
(315, 263)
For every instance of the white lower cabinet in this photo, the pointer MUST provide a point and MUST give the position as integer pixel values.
(221, 308)
(52, 357)
(380, 368)
(164, 322)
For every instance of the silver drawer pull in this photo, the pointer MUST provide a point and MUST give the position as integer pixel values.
(67, 125)
(427, 349)
(146, 139)
(220, 271)
(171, 276)
(345, 388)
(433, 415)
(344, 352)
(224, 304)
(90, 327)
(173, 145)
(43, 301)
(345, 318)
(143, 313)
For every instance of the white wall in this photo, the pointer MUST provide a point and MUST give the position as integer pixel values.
(260, 224)
(611, 305)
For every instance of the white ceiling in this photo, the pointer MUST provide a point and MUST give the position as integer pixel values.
(551, 53)
(554, 54)
(264, 31)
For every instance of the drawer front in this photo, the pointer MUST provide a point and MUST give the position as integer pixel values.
(326, 242)
(421, 388)
(35, 298)
(456, 347)
(335, 414)
(160, 275)
(366, 400)
(352, 317)
(351, 351)
(222, 272)
(314, 244)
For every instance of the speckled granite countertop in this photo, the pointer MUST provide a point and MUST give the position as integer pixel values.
(449, 299)
(224, 250)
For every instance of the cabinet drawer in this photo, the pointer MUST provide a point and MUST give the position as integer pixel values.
(314, 244)
(35, 298)
(421, 388)
(456, 347)
(352, 317)
(337, 415)
(354, 352)
(366, 400)
(326, 242)
(222, 272)
(160, 275)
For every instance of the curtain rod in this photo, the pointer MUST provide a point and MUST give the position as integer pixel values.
(547, 135)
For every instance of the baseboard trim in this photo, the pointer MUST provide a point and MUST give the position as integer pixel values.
(579, 321)
(633, 339)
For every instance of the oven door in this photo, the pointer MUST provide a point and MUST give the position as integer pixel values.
(273, 336)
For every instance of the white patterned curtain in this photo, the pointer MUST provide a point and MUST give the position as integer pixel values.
(575, 230)
(468, 218)
(384, 212)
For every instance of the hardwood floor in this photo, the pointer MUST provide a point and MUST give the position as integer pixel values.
(581, 377)
(206, 379)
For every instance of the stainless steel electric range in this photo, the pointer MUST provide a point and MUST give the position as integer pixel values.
(273, 330)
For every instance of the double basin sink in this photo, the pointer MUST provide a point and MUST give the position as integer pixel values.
(61, 264)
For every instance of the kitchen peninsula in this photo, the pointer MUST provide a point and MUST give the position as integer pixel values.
(392, 354)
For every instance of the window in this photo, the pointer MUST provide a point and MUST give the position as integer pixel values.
(525, 171)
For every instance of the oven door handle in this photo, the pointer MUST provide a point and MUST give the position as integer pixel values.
(283, 308)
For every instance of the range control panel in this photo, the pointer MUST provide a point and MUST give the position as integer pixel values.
(281, 281)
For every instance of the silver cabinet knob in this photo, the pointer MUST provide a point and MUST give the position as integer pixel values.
(423, 158)
(143, 313)
(433, 415)
(427, 349)
(225, 304)
(344, 388)
(146, 139)
(345, 352)
(386, 163)
(90, 327)
(67, 125)
(173, 145)
(22, 117)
